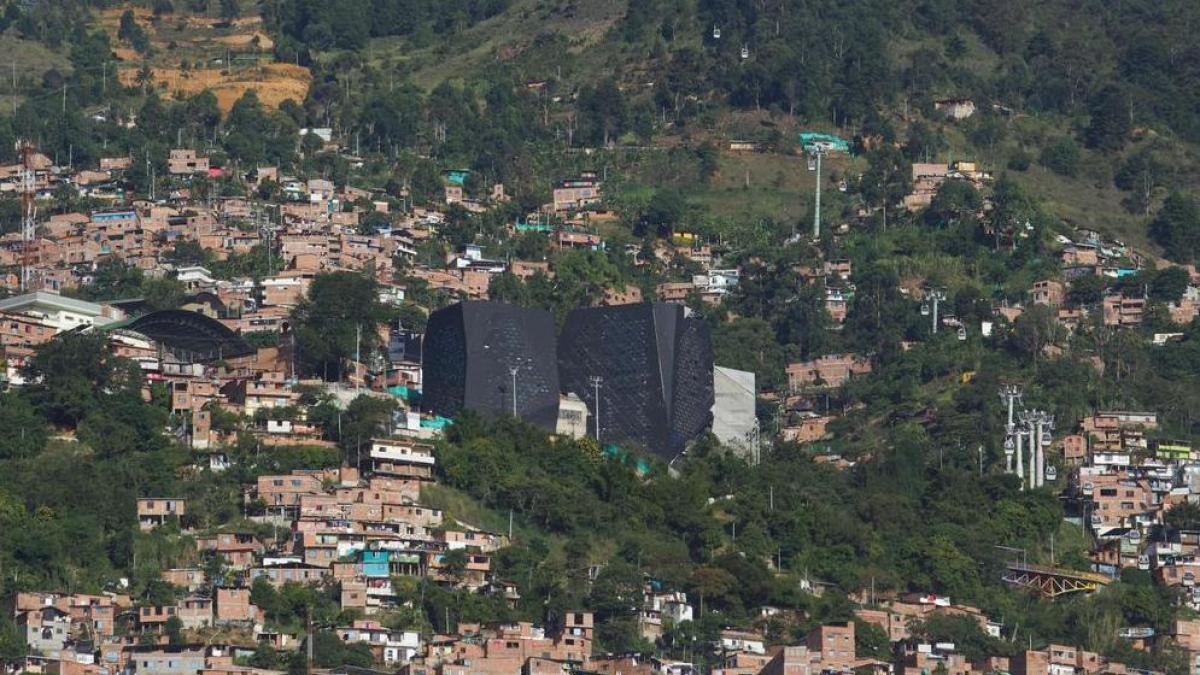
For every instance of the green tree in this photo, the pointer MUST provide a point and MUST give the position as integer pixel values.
(711, 585)
(163, 293)
(1177, 227)
(174, 631)
(887, 179)
(265, 656)
(330, 652)
(1183, 516)
(924, 143)
(337, 319)
(662, 214)
(74, 373)
(1034, 330)
(230, 9)
(616, 599)
(127, 26)
(12, 645)
(1086, 290)
(1062, 157)
(709, 158)
(963, 631)
(871, 641)
(455, 564)
(954, 201)
(952, 571)
(113, 280)
(365, 418)
(1109, 125)
(188, 252)
(1170, 284)
(22, 431)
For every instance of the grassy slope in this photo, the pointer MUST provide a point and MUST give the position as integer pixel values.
(780, 187)
(31, 59)
(583, 22)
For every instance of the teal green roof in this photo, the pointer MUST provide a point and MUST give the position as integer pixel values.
(809, 140)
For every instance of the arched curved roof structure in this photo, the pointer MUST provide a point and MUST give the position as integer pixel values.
(191, 335)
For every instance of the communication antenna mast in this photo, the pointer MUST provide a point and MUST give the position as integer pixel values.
(29, 190)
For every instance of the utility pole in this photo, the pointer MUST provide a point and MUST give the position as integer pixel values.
(357, 353)
(596, 381)
(309, 647)
(512, 370)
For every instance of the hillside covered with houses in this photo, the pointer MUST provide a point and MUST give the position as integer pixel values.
(649, 337)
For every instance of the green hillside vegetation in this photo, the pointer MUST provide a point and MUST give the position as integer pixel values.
(1088, 116)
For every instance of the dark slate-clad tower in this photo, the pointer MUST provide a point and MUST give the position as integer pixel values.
(656, 373)
(470, 351)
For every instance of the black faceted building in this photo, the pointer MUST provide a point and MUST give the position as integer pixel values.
(470, 351)
(656, 373)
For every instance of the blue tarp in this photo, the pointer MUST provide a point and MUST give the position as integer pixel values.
(436, 423)
(615, 452)
(405, 393)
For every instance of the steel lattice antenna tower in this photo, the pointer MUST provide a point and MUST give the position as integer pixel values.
(29, 190)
